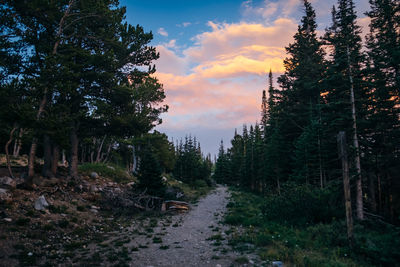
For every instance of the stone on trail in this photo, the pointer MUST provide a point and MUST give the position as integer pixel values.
(41, 203)
(4, 195)
(7, 182)
(94, 175)
(277, 264)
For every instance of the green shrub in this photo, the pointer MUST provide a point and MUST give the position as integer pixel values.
(114, 172)
(199, 184)
(22, 221)
(303, 205)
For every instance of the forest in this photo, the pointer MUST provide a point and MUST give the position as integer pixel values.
(331, 84)
(78, 86)
(80, 103)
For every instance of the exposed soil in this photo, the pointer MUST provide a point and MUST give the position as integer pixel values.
(78, 230)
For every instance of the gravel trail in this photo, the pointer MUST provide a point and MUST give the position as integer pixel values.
(186, 240)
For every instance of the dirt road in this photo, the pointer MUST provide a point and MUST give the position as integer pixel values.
(196, 238)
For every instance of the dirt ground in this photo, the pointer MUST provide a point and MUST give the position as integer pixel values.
(197, 238)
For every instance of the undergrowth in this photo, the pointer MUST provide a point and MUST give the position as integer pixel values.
(307, 243)
(114, 172)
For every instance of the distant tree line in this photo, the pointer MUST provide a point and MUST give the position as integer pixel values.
(330, 84)
(191, 165)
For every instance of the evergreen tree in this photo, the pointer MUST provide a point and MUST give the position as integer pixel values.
(150, 174)
(346, 89)
(383, 49)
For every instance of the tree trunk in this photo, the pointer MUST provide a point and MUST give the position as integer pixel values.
(7, 153)
(380, 204)
(98, 157)
(56, 156)
(342, 146)
(18, 143)
(107, 154)
(372, 193)
(63, 158)
(359, 199)
(46, 171)
(32, 152)
(73, 168)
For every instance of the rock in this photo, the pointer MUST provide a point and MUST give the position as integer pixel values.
(111, 167)
(93, 189)
(130, 184)
(7, 182)
(277, 264)
(251, 262)
(41, 203)
(94, 210)
(30, 254)
(37, 180)
(95, 207)
(174, 192)
(164, 179)
(94, 175)
(50, 182)
(4, 195)
(8, 219)
(218, 265)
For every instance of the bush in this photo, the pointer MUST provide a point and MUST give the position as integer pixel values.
(303, 205)
(199, 183)
(150, 174)
(116, 173)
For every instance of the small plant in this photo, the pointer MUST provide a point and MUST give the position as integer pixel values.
(58, 209)
(242, 260)
(22, 221)
(164, 247)
(63, 223)
(80, 208)
(157, 240)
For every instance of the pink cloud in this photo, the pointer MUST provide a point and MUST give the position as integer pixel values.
(217, 83)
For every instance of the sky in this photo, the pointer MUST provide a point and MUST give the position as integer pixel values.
(215, 57)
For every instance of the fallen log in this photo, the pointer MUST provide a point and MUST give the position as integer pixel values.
(174, 205)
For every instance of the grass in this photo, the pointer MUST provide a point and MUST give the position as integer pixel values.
(114, 172)
(311, 245)
(157, 240)
(192, 192)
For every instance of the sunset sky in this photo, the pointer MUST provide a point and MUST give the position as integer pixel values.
(215, 55)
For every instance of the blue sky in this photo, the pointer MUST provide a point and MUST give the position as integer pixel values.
(214, 57)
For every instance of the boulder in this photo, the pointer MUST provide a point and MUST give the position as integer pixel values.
(7, 182)
(131, 184)
(41, 203)
(93, 189)
(277, 263)
(4, 195)
(94, 175)
(174, 192)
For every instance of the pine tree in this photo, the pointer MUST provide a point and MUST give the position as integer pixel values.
(299, 99)
(346, 83)
(150, 174)
(383, 72)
